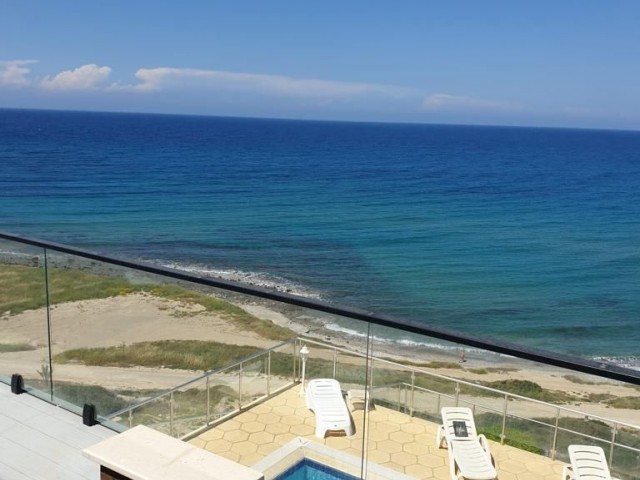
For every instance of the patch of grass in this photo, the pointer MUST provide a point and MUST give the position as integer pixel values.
(487, 370)
(105, 401)
(434, 364)
(624, 402)
(531, 390)
(179, 354)
(15, 347)
(23, 289)
(599, 397)
(577, 379)
(229, 311)
(520, 439)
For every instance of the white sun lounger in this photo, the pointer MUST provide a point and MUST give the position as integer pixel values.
(469, 455)
(324, 397)
(587, 463)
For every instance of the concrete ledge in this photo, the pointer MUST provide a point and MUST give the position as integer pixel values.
(145, 454)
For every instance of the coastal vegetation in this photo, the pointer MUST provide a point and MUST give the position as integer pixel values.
(23, 289)
(178, 354)
(15, 347)
(208, 355)
(528, 389)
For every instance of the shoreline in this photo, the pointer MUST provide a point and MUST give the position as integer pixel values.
(134, 318)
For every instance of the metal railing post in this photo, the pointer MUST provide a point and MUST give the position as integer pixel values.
(413, 391)
(295, 359)
(457, 394)
(613, 443)
(504, 419)
(406, 398)
(131, 418)
(171, 414)
(208, 401)
(335, 361)
(269, 374)
(555, 436)
(240, 372)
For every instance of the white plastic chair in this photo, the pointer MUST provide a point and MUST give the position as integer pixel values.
(324, 397)
(587, 463)
(469, 454)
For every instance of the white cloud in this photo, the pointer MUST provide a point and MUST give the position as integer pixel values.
(443, 101)
(14, 72)
(154, 79)
(86, 77)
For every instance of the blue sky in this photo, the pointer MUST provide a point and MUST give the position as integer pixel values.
(569, 63)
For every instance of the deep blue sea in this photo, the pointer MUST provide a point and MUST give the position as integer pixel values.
(522, 234)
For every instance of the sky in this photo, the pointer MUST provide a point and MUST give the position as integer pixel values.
(564, 63)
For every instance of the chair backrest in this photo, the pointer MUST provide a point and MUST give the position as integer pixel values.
(458, 423)
(589, 463)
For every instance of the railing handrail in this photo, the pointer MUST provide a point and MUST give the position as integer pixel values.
(463, 382)
(601, 369)
(539, 402)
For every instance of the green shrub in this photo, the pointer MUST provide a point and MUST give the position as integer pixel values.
(15, 347)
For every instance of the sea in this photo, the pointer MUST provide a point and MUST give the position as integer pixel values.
(526, 235)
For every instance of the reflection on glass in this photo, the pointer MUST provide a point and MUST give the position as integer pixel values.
(190, 405)
(229, 361)
(24, 333)
(155, 414)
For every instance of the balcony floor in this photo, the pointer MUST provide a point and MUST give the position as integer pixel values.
(396, 441)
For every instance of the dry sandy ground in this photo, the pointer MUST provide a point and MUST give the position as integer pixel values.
(139, 317)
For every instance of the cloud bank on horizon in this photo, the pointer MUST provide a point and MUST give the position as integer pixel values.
(227, 88)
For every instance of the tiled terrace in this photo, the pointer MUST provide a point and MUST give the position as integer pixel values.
(396, 441)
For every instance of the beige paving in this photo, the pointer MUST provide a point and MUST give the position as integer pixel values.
(395, 440)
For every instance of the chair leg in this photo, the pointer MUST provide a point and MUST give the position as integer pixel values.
(567, 473)
(452, 467)
(441, 440)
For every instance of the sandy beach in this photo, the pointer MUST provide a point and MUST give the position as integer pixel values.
(134, 318)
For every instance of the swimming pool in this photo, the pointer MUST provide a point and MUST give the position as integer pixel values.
(310, 470)
(303, 459)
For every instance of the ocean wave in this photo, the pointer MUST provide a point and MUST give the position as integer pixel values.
(631, 362)
(402, 342)
(256, 279)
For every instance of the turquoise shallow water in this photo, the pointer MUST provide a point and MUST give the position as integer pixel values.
(310, 470)
(528, 235)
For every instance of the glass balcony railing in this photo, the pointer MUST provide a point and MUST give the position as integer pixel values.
(219, 364)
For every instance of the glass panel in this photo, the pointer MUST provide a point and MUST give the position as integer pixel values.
(625, 461)
(515, 403)
(351, 371)
(24, 343)
(391, 386)
(322, 362)
(402, 433)
(527, 425)
(224, 396)
(155, 414)
(254, 379)
(281, 367)
(190, 408)
(104, 325)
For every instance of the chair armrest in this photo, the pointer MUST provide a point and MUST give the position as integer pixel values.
(484, 443)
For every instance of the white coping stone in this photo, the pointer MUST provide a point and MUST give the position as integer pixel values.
(145, 454)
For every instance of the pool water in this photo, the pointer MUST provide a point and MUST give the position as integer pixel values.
(310, 470)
